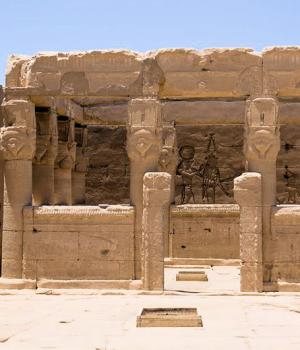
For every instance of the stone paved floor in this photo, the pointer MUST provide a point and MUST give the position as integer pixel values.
(86, 320)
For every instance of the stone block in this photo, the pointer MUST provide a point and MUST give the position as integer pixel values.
(111, 245)
(59, 245)
(251, 220)
(11, 268)
(209, 73)
(191, 276)
(283, 67)
(251, 247)
(251, 277)
(12, 244)
(169, 317)
(248, 190)
(204, 112)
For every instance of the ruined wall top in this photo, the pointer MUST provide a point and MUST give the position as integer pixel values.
(166, 73)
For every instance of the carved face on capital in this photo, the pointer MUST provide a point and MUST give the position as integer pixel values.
(17, 143)
(141, 142)
(164, 158)
(264, 142)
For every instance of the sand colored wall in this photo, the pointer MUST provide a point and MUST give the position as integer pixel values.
(286, 236)
(90, 242)
(204, 231)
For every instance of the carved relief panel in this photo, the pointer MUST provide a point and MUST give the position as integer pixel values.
(108, 175)
(288, 166)
(210, 157)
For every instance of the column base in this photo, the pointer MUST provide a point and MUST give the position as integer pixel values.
(17, 283)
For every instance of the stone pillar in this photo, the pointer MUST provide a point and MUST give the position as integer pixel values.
(81, 164)
(18, 138)
(144, 138)
(46, 152)
(167, 162)
(156, 199)
(65, 162)
(248, 194)
(262, 144)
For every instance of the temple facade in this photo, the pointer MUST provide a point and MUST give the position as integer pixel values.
(115, 163)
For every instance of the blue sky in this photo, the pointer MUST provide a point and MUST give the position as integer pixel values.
(30, 26)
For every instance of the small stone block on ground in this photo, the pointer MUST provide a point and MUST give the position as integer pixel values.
(169, 317)
(191, 276)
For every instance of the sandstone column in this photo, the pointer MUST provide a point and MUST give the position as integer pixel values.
(262, 145)
(18, 145)
(81, 163)
(156, 194)
(167, 162)
(46, 152)
(65, 162)
(143, 146)
(248, 194)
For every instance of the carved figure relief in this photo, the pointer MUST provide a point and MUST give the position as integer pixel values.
(208, 171)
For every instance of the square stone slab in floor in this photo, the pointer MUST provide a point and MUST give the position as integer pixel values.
(169, 317)
(191, 276)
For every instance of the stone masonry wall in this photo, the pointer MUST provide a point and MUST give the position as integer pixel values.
(78, 243)
(199, 231)
(286, 236)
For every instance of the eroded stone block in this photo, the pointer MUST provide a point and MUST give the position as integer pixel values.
(191, 276)
(169, 317)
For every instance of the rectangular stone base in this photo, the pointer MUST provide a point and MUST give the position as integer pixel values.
(90, 284)
(16, 283)
(191, 276)
(169, 317)
(288, 287)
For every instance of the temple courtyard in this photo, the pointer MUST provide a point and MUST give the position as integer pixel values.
(106, 320)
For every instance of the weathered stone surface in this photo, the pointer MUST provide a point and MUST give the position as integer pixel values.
(168, 317)
(191, 276)
(206, 73)
(210, 231)
(107, 179)
(283, 66)
(156, 198)
(97, 245)
(204, 112)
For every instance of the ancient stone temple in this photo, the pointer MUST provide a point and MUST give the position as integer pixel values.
(117, 162)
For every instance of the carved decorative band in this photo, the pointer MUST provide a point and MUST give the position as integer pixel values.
(110, 210)
(206, 210)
